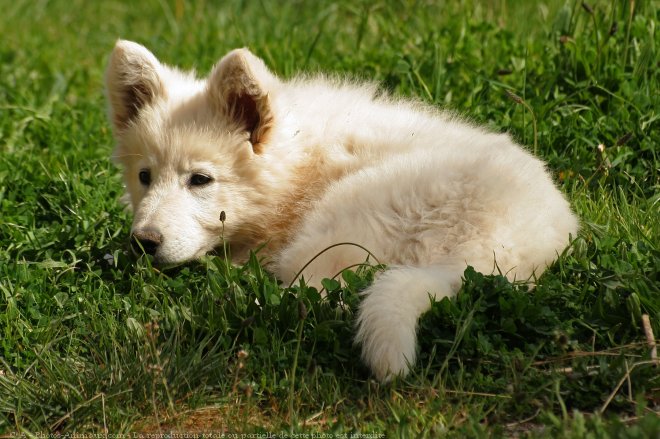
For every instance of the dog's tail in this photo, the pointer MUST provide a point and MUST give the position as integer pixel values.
(388, 315)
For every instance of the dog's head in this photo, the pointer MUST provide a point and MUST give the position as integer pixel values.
(190, 149)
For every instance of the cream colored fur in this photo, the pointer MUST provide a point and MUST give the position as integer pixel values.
(303, 164)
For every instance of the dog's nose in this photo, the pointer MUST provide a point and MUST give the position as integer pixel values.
(146, 240)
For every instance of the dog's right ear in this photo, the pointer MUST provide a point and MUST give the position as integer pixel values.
(132, 81)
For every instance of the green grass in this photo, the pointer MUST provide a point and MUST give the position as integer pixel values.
(94, 341)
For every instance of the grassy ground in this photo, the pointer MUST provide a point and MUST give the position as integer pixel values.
(93, 341)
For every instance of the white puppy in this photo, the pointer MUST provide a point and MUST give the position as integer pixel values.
(303, 164)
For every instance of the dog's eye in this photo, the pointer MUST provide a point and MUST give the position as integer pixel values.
(200, 180)
(145, 177)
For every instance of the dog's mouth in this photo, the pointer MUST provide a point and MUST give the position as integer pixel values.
(154, 254)
(161, 265)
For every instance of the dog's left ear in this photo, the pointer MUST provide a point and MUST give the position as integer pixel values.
(133, 80)
(240, 85)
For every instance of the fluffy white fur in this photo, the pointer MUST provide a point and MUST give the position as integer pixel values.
(303, 164)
